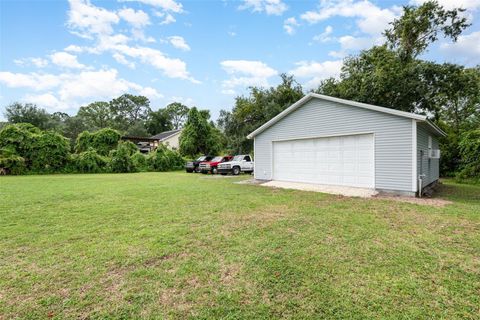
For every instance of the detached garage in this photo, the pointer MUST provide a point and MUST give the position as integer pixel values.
(331, 141)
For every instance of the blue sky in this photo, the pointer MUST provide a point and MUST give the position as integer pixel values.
(64, 54)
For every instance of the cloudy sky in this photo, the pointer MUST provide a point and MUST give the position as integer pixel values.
(64, 54)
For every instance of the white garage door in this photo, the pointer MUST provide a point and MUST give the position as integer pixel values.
(344, 160)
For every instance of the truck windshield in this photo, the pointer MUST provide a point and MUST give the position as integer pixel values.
(217, 159)
(201, 158)
(238, 158)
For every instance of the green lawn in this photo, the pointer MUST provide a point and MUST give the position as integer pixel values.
(177, 245)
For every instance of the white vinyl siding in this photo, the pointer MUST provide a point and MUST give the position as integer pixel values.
(318, 117)
(429, 167)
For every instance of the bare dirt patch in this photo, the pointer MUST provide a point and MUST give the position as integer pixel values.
(435, 202)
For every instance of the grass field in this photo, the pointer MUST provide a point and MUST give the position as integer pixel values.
(177, 245)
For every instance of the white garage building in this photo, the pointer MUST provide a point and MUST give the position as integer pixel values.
(331, 141)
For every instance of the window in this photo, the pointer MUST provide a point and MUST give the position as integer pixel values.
(247, 158)
(429, 142)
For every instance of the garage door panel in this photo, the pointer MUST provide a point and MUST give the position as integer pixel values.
(346, 160)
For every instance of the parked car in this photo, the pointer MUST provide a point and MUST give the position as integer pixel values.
(240, 163)
(211, 166)
(192, 166)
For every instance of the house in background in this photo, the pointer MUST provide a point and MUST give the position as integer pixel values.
(171, 139)
(326, 140)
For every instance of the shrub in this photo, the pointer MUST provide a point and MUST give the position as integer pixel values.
(20, 139)
(103, 141)
(11, 163)
(470, 154)
(90, 162)
(139, 161)
(164, 159)
(121, 160)
(50, 151)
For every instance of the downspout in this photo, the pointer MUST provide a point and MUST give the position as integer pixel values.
(421, 175)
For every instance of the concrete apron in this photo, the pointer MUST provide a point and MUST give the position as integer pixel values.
(340, 190)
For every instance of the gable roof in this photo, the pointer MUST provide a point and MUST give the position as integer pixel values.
(166, 134)
(312, 95)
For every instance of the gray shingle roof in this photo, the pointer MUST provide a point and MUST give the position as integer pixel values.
(165, 134)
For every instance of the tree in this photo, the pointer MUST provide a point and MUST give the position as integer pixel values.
(97, 115)
(420, 26)
(158, 121)
(470, 152)
(177, 113)
(198, 135)
(72, 127)
(127, 110)
(378, 76)
(28, 113)
(252, 111)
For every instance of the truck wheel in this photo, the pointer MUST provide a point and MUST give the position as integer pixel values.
(223, 173)
(214, 170)
(197, 170)
(236, 171)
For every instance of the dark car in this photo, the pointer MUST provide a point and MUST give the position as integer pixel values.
(192, 166)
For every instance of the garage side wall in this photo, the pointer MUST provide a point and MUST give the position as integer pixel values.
(318, 118)
(429, 167)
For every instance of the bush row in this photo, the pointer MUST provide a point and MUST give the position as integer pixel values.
(26, 149)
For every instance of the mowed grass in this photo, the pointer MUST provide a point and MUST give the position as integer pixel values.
(177, 245)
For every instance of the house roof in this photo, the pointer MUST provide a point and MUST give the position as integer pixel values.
(166, 134)
(312, 95)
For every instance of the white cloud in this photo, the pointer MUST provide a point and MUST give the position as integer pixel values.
(32, 80)
(150, 93)
(232, 33)
(451, 4)
(350, 43)
(270, 7)
(173, 68)
(372, 20)
(245, 73)
(66, 60)
(315, 71)
(121, 59)
(167, 5)
(325, 35)
(138, 19)
(89, 19)
(74, 48)
(179, 43)
(467, 48)
(37, 62)
(98, 23)
(70, 90)
(45, 100)
(189, 102)
(289, 25)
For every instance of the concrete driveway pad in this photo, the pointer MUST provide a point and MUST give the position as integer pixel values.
(341, 190)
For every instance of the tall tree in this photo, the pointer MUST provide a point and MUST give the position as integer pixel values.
(420, 26)
(177, 113)
(28, 113)
(158, 121)
(252, 111)
(198, 136)
(97, 115)
(129, 109)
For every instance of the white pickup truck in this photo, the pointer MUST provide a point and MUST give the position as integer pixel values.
(240, 163)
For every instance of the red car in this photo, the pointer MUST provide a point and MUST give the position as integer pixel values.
(211, 166)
